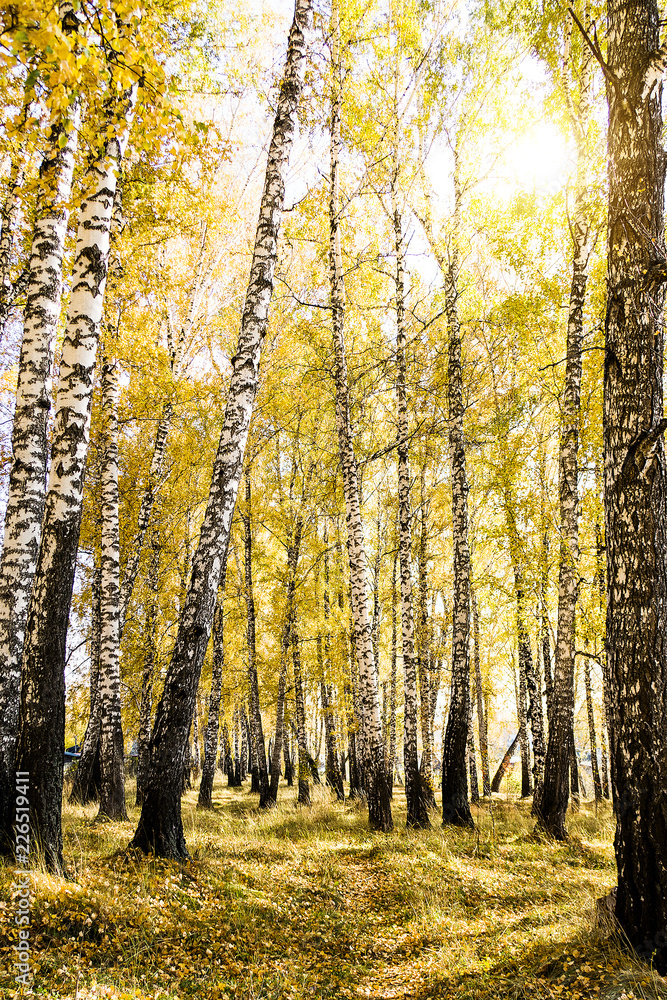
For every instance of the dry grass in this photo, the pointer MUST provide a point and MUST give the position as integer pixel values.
(309, 903)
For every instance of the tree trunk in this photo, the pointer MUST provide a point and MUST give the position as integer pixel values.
(379, 806)
(42, 713)
(287, 757)
(551, 802)
(423, 654)
(521, 711)
(87, 777)
(205, 800)
(27, 475)
(112, 752)
(574, 770)
(246, 762)
(149, 667)
(455, 806)
(503, 767)
(391, 759)
(160, 827)
(600, 580)
(238, 749)
(277, 750)
(260, 775)
(293, 552)
(303, 769)
(472, 762)
(529, 683)
(417, 804)
(544, 630)
(479, 693)
(375, 621)
(334, 778)
(9, 218)
(597, 784)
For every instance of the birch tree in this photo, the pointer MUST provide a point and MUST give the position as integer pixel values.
(455, 806)
(42, 712)
(417, 806)
(379, 807)
(160, 827)
(552, 799)
(27, 477)
(261, 776)
(636, 474)
(213, 725)
(112, 784)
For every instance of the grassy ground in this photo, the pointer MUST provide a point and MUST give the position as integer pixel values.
(308, 903)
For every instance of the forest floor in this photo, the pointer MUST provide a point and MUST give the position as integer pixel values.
(308, 903)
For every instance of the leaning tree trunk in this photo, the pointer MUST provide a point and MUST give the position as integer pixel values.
(112, 755)
(160, 827)
(552, 800)
(417, 806)
(213, 726)
(455, 805)
(26, 496)
(260, 773)
(504, 765)
(379, 806)
(636, 476)
(42, 714)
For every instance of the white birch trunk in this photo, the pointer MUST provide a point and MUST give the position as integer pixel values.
(112, 792)
(9, 219)
(42, 720)
(160, 827)
(455, 805)
(552, 799)
(417, 811)
(205, 800)
(379, 806)
(27, 477)
(150, 661)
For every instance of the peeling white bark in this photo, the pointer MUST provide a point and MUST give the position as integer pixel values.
(42, 714)
(379, 808)
(160, 826)
(27, 477)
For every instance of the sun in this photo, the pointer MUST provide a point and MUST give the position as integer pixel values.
(537, 160)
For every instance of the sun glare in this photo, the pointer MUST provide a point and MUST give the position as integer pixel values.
(537, 160)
